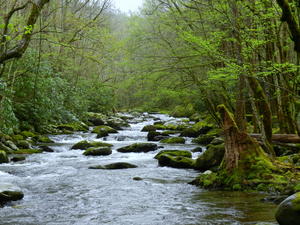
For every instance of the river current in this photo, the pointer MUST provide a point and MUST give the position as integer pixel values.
(60, 189)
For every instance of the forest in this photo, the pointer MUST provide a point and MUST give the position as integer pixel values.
(230, 68)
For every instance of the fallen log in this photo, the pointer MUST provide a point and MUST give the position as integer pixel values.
(283, 138)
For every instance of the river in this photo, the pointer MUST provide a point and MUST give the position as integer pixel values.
(60, 189)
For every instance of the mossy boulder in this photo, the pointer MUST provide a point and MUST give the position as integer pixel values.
(42, 139)
(138, 147)
(173, 140)
(102, 151)
(204, 139)
(115, 166)
(116, 123)
(9, 192)
(17, 137)
(148, 128)
(18, 158)
(11, 145)
(23, 144)
(288, 212)
(176, 161)
(106, 129)
(5, 148)
(76, 126)
(189, 132)
(3, 157)
(28, 134)
(28, 151)
(182, 153)
(211, 158)
(156, 136)
(83, 145)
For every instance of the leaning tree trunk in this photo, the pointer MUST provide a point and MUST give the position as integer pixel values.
(264, 111)
(238, 145)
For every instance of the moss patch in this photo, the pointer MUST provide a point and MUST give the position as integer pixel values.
(182, 153)
(173, 140)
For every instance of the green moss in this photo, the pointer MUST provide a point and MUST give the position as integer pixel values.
(176, 161)
(204, 139)
(85, 145)
(149, 128)
(106, 129)
(296, 202)
(28, 151)
(236, 187)
(138, 147)
(182, 153)
(96, 151)
(17, 137)
(43, 139)
(173, 140)
(28, 134)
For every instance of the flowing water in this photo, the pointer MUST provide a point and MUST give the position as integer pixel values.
(60, 189)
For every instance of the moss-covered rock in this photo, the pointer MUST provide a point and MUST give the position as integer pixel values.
(42, 139)
(104, 129)
(102, 151)
(189, 132)
(3, 157)
(182, 153)
(5, 148)
(28, 134)
(9, 192)
(28, 151)
(114, 166)
(83, 145)
(173, 140)
(138, 147)
(211, 158)
(17, 137)
(23, 144)
(156, 136)
(148, 128)
(11, 145)
(76, 126)
(288, 212)
(204, 139)
(176, 161)
(18, 158)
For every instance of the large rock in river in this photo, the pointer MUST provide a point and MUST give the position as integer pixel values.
(114, 166)
(182, 153)
(176, 161)
(9, 192)
(211, 158)
(288, 212)
(173, 140)
(83, 145)
(139, 147)
(98, 151)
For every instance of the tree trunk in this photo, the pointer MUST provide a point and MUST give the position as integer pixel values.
(238, 144)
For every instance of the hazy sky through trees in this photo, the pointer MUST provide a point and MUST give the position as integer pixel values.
(128, 5)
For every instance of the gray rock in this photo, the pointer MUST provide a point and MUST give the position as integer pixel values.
(288, 212)
(138, 147)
